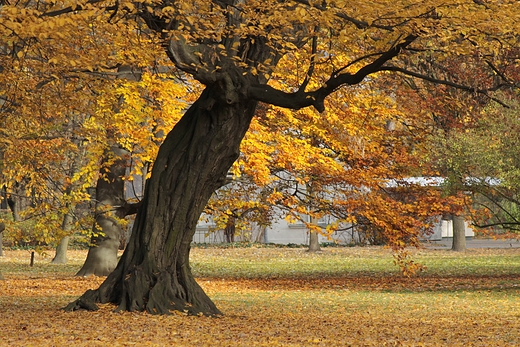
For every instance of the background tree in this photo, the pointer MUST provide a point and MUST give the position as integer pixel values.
(309, 166)
(485, 156)
(454, 113)
(59, 106)
(47, 101)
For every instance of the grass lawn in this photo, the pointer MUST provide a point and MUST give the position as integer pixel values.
(283, 297)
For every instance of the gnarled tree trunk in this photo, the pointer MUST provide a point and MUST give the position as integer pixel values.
(154, 273)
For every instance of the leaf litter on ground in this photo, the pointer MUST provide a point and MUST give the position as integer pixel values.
(282, 297)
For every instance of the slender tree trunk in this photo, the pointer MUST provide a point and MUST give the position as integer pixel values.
(229, 230)
(459, 234)
(154, 272)
(314, 244)
(61, 251)
(2, 228)
(110, 190)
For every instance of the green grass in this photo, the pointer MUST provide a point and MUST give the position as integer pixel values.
(278, 262)
(285, 297)
(476, 263)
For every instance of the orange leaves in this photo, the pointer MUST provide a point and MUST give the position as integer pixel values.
(141, 113)
(62, 99)
(337, 163)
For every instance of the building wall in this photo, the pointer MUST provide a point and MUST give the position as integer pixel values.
(284, 232)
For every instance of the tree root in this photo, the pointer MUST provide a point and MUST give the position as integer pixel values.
(86, 302)
(156, 294)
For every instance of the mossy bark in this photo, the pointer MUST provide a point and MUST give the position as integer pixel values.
(154, 274)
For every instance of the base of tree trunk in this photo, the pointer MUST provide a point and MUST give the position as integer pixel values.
(160, 293)
(459, 234)
(61, 251)
(101, 258)
(314, 244)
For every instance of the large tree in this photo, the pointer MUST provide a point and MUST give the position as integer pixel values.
(232, 47)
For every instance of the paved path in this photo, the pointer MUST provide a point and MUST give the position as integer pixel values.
(476, 243)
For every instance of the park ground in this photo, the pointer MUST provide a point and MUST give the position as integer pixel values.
(283, 297)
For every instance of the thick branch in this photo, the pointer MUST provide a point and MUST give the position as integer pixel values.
(301, 99)
(128, 209)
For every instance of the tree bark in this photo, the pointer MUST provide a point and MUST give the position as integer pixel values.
(229, 230)
(61, 251)
(110, 200)
(314, 244)
(17, 201)
(154, 274)
(2, 228)
(459, 234)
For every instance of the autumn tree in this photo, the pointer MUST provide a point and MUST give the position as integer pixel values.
(342, 167)
(458, 120)
(233, 47)
(136, 113)
(47, 101)
(62, 111)
(485, 156)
